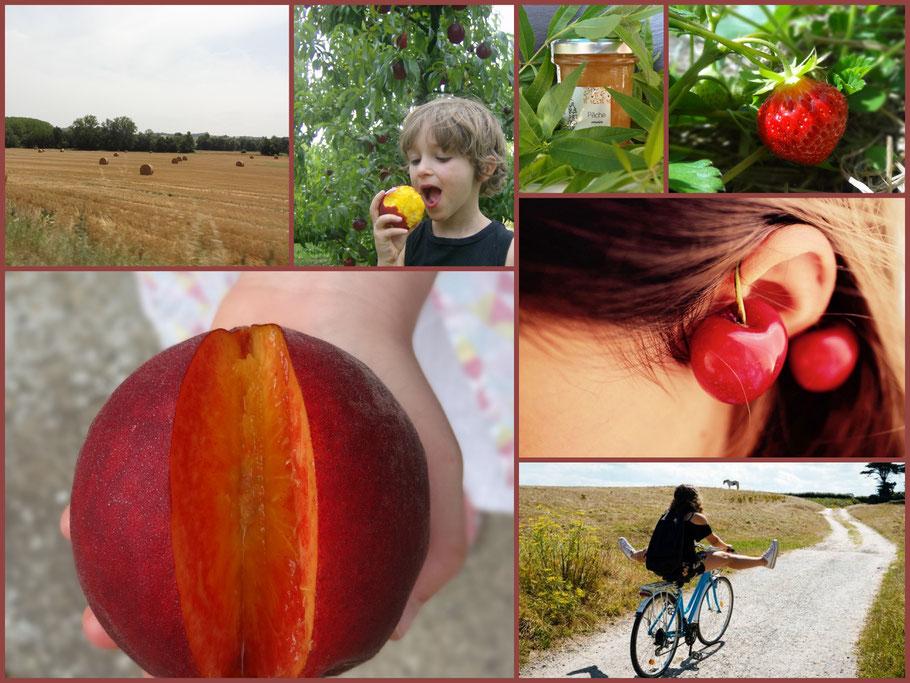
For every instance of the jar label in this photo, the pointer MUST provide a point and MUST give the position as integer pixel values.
(589, 107)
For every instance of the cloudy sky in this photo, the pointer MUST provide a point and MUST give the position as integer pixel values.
(756, 476)
(221, 69)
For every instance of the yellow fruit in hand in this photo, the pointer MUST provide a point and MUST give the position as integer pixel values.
(403, 201)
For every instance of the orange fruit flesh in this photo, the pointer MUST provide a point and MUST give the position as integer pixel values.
(243, 507)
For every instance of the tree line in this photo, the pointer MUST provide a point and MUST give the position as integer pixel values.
(121, 133)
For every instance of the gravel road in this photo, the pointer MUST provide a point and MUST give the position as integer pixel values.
(801, 619)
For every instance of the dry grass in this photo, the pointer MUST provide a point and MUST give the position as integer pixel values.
(746, 519)
(881, 645)
(184, 215)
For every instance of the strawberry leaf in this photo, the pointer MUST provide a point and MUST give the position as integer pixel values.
(695, 176)
(847, 74)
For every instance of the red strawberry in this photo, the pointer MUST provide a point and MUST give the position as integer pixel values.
(803, 121)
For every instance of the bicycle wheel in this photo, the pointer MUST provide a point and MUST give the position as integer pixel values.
(655, 635)
(714, 610)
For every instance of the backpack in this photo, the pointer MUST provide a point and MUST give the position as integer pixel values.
(665, 551)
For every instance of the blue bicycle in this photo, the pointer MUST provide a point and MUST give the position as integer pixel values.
(663, 619)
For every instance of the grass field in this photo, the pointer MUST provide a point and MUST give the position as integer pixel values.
(205, 211)
(572, 575)
(881, 646)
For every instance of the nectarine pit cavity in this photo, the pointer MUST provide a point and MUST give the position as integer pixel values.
(243, 518)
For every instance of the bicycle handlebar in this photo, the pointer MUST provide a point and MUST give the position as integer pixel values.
(710, 548)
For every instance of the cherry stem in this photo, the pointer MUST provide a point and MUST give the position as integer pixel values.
(739, 295)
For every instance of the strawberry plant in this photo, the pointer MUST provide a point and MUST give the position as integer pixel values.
(553, 156)
(784, 98)
(358, 70)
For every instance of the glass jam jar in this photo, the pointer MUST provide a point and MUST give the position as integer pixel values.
(609, 64)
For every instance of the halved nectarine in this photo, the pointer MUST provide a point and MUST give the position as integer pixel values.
(250, 503)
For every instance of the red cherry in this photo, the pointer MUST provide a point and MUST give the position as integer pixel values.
(822, 359)
(736, 363)
(349, 262)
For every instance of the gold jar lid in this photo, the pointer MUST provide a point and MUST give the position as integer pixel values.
(578, 46)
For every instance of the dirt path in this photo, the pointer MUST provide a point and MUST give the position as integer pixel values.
(800, 619)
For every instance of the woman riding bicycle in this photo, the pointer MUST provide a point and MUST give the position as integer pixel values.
(687, 504)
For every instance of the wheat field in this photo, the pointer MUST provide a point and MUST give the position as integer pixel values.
(201, 212)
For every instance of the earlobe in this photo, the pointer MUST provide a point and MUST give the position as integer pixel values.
(794, 269)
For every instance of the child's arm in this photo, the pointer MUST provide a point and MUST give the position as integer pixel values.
(389, 239)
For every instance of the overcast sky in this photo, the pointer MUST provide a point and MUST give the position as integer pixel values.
(216, 68)
(755, 476)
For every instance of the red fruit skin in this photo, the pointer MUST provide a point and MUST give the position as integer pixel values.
(398, 71)
(455, 33)
(737, 364)
(373, 507)
(822, 360)
(359, 225)
(483, 51)
(803, 122)
(402, 41)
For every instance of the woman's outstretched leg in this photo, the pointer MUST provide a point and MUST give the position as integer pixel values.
(725, 559)
(630, 552)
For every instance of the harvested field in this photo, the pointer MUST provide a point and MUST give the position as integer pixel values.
(202, 213)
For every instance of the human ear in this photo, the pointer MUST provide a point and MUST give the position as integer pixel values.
(794, 269)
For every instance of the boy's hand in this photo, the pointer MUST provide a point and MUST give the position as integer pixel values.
(388, 237)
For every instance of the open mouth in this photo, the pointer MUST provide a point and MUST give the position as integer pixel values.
(431, 195)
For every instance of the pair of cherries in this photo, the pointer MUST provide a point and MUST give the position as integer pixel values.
(737, 355)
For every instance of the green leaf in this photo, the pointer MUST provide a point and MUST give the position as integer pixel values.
(556, 100)
(695, 176)
(631, 37)
(878, 157)
(527, 117)
(609, 182)
(599, 27)
(847, 74)
(560, 20)
(638, 110)
(654, 96)
(580, 182)
(654, 146)
(868, 99)
(542, 81)
(591, 155)
(601, 133)
(525, 34)
(528, 141)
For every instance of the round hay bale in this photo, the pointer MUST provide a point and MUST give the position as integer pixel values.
(239, 163)
(175, 160)
(116, 155)
(40, 151)
(61, 150)
(276, 156)
(145, 169)
(184, 157)
(251, 156)
(102, 161)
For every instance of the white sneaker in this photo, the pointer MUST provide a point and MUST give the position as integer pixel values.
(626, 548)
(770, 555)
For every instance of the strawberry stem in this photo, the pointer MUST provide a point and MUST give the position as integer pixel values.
(788, 72)
(739, 294)
(744, 164)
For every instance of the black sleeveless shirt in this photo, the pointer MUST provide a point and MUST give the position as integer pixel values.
(489, 247)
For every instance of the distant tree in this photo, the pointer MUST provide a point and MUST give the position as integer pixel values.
(86, 133)
(28, 132)
(186, 144)
(265, 147)
(883, 471)
(203, 141)
(143, 141)
(118, 133)
(58, 137)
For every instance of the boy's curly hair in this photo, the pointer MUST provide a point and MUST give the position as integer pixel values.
(467, 128)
